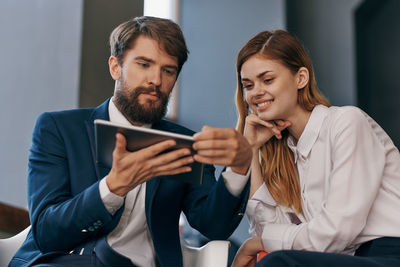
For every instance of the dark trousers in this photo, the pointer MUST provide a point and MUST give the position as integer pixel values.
(93, 254)
(381, 252)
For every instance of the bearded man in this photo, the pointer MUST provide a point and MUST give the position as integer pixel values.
(127, 214)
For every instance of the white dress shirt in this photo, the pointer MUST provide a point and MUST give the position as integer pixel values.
(349, 171)
(131, 237)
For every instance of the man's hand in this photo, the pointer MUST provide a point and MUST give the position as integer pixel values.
(225, 147)
(130, 169)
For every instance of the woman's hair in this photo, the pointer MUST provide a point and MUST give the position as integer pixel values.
(277, 160)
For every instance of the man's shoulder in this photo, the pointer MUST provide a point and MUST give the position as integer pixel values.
(66, 115)
(77, 114)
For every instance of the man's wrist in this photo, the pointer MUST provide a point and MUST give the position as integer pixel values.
(242, 170)
(115, 188)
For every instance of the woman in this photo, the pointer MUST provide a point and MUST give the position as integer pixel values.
(325, 181)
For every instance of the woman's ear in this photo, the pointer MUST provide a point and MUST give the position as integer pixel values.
(114, 67)
(302, 77)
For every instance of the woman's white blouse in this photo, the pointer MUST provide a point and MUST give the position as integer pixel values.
(349, 173)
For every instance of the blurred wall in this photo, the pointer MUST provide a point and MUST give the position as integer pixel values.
(326, 28)
(55, 55)
(214, 32)
(40, 45)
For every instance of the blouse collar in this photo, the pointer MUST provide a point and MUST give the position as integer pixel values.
(310, 133)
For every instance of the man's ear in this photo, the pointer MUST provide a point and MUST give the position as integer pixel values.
(302, 77)
(114, 67)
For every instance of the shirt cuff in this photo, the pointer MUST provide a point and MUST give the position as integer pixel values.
(111, 201)
(235, 182)
(279, 236)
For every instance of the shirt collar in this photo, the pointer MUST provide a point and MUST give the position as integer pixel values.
(118, 117)
(310, 133)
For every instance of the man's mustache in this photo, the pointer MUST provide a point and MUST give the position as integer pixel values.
(148, 90)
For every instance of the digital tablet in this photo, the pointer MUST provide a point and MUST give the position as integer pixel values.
(138, 138)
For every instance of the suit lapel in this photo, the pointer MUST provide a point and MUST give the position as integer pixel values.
(152, 185)
(101, 112)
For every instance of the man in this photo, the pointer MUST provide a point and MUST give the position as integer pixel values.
(86, 214)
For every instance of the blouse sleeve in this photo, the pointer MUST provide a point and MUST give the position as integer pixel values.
(358, 160)
(262, 210)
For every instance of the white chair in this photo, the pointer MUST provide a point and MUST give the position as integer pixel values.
(213, 254)
(8, 246)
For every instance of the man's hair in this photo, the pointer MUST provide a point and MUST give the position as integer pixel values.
(166, 32)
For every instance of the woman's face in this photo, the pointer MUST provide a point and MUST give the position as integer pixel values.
(270, 88)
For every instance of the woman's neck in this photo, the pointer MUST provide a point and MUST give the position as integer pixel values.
(299, 123)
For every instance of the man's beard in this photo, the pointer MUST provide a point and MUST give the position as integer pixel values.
(127, 101)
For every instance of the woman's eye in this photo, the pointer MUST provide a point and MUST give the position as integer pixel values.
(268, 80)
(246, 86)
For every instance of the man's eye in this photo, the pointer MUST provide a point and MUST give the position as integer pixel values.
(143, 65)
(169, 72)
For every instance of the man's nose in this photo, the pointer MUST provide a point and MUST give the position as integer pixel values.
(154, 77)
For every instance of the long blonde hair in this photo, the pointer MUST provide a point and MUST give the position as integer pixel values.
(277, 160)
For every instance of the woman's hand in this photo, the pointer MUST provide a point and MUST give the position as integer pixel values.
(258, 131)
(247, 253)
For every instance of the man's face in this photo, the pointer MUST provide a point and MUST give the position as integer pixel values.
(144, 81)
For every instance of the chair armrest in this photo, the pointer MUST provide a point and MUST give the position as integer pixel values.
(212, 254)
(9, 246)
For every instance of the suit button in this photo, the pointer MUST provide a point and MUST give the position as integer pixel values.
(84, 231)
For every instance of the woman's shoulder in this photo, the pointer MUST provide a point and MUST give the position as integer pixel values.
(346, 116)
(347, 111)
(351, 119)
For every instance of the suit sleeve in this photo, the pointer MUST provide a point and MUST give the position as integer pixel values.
(212, 209)
(60, 220)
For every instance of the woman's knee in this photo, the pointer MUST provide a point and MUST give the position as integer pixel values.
(280, 258)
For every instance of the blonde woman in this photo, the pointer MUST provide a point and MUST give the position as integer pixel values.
(325, 180)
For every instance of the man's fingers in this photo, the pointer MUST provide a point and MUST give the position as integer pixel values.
(212, 160)
(120, 142)
(209, 132)
(156, 149)
(165, 165)
(174, 171)
(120, 146)
(215, 144)
(212, 152)
(172, 159)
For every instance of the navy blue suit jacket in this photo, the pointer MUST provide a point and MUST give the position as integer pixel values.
(65, 207)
